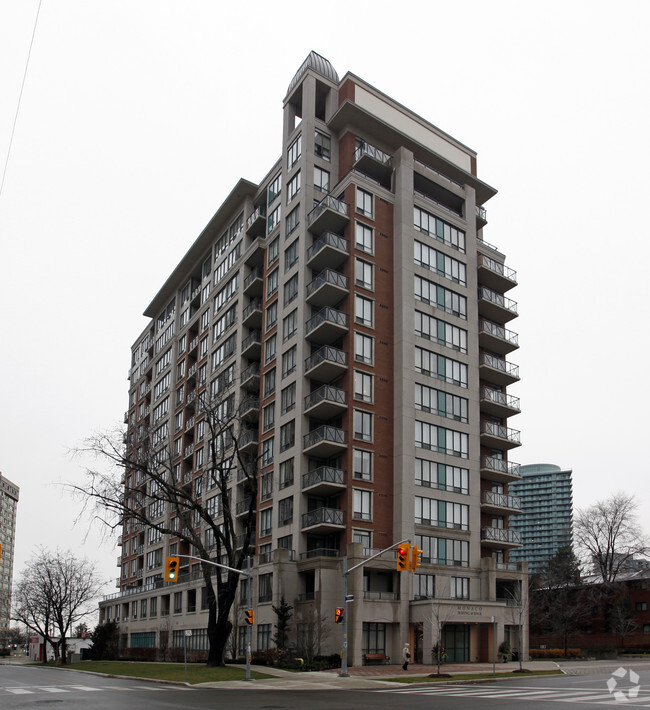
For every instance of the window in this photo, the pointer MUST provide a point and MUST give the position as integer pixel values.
(322, 145)
(291, 289)
(293, 186)
(437, 330)
(442, 476)
(286, 474)
(362, 464)
(275, 188)
(361, 504)
(363, 275)
(290, 325)
(268, 417)
(443, 514)
(444, 368)
(444, 441)
(288, 398)
(364, 202)
(270, 348)
(265, 553)
(205, 319)
(363, 239)
(271, 315)
(363, 348)
(428, 399)
(289, 361)
(362, 425)
(269, 382)
(273, 219)
(273, 251)
(285, 512)
(363, 311)
(266, 487)
(287, 435)
(266, 522)
(363, 537)
(203, 347)
(285, 542)
(272, 283)
(459, 587)
(178, 602)
(434, 227)
(292, 220)
(321, 179)
(267, 451)
(373, 637)
(153, 606)
(363, 386)
(440, 297)
(424, 586)
(435, 260)
(294, 152)
(641, 606)
(290, 255)
(265, 589)
(263, 636)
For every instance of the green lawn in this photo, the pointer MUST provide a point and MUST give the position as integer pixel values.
(196, 673)
(469, 676)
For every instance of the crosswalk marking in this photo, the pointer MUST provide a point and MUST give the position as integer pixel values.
(31, 690)
(18, 691)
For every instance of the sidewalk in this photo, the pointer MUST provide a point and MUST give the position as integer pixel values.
(366, 677)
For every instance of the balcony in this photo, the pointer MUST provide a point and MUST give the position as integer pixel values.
(373, 162)
(250, 378)
(254, 254)
(496, 306)
(256, 222)
(189, 450)
(495, 275)
(251, 346)
(500, 537)
(499, 404)
(248, 441)
(324, 480)
(323, 520)
(498, 436)
(329, 214)
(254, 283)
(327, 289)
(327, 250)
(326, 326)
(241, 507)
(249, 409)
(326, 364)
(319, 552)
(325, 402)
(189, 424)
(380, 596)
(496, 338)
(495, 469)
(481, 217)
(497, 371)
(252, 314)
(500, 503)
(324, 441)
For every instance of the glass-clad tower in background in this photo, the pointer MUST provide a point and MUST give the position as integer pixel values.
(9, 493)
(351, 302)
(546, 519)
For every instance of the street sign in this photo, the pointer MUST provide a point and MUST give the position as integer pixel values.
(188, 632)
(349, 597)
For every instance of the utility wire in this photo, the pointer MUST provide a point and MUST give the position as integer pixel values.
(22, 86)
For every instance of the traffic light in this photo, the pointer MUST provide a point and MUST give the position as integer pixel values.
(403, 557)
(338, 615)
(171, 569)
(416, 558)
(250, 616)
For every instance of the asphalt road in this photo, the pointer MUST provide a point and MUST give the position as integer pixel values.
(33, 686)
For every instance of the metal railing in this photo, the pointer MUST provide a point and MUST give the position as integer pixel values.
(367, 149)
(498, 331)
(327, 202)
(250, 371)
(323, 474)
(497, 267)
(380, 596)
(326, 354)
(323, 516)
(497, 298)
(327, 239)
(326, 315)
(497, 363)
(501, 500)
(326, 393)
(255, 305)
(324, 433)
(501, 535)
(327, 276)
(499, 465)
(500, 431)
(497, 397)
(319, 552)
(254, 337)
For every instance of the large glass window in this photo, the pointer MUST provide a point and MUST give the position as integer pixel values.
(373, 637)
(459, 587)
(445, 441)
(275, 188)
(288, 398)
(294, 152)
(293, 186)
(424, 586)
(362, 425)
(443, 551)
(444, 514)
(439, 475)
(286, 474)
(290, 255)
(363, 237)
(291, 289)
(361, 504)
(321, 179)
(363, 386)
(364, 202)
(435, 260)
(290, 325)
(289, 361)
(437, 330)
(266, 522)
(427, 223)
(363, 348)
(292, 221)
(444, 404)
(287, 435)
(322, 145)
(439, 297)
(363, 273)
(363, 311)
(444, 368)
(362, 463)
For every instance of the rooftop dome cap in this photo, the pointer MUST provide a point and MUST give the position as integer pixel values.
(319, 64)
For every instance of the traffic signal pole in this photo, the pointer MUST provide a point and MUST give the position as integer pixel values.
(344, 646)
(247, 572)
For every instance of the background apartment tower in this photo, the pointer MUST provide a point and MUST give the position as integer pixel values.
(546, 520)
(350, 300)
(8, 506)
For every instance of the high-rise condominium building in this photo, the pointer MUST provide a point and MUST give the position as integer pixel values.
(350, 301)
(546, 520)
(8, 505)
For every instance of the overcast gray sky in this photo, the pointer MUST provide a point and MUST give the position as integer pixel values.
(138, 117)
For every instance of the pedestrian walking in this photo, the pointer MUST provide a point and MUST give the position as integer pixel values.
(406, 656)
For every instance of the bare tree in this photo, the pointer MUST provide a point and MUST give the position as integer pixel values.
(608, 535)
(312, 629)
(440, 614)
(147, 487)
(54, 592)
(517, 611)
